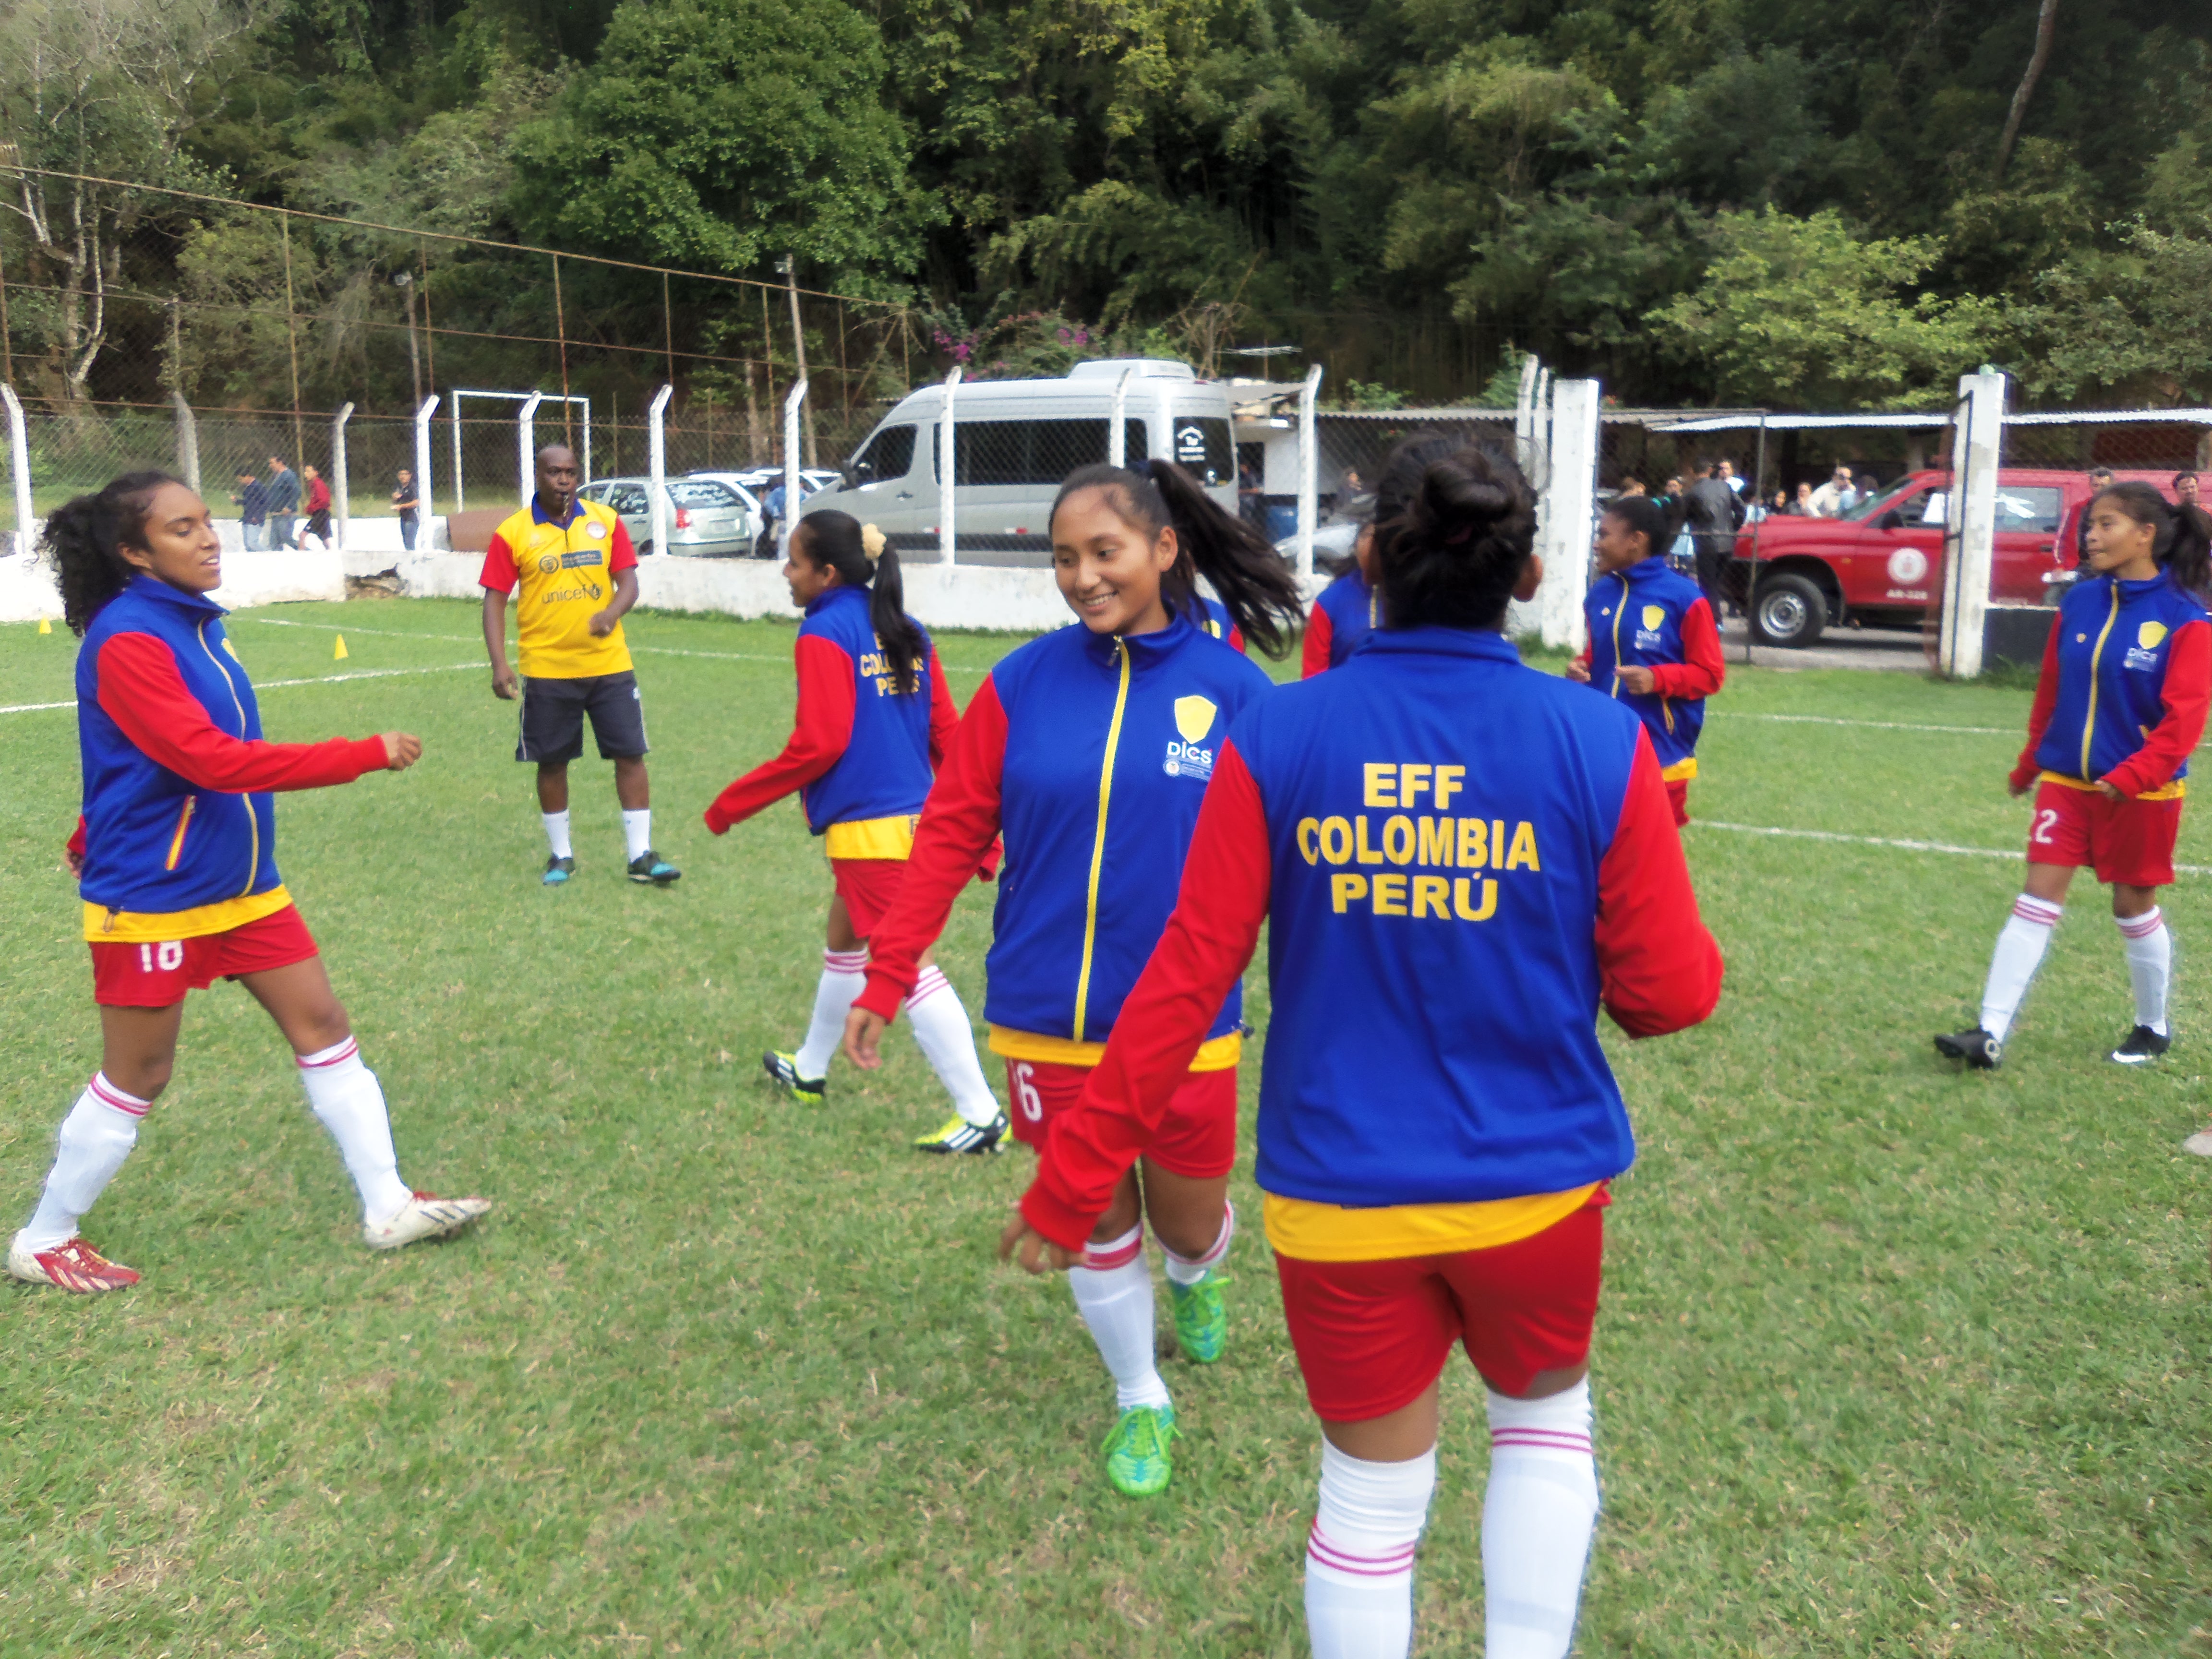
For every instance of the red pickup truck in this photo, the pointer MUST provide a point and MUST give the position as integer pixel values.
(1881, 565)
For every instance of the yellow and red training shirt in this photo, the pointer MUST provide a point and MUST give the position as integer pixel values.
(566, 569)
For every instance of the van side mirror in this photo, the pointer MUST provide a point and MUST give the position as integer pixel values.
(859, 471)
(1892, 520)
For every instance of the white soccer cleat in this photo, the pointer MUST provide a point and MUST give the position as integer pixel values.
(73, 1267)
(425, 1215)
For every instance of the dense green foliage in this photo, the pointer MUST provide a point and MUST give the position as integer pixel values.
(1665, 194)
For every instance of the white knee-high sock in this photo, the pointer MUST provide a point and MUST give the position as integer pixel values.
(2150, 964)
(1113, 1291)
(95, 1138)
(637, 831)
(1359, 1555)
(556, 834)
(2013, 964)
(1537, 1517)
(1188, 1270)
(844, 976)
(344, 1094)
(939, 1022)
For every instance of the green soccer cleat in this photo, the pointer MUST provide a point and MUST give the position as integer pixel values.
(557, 872)
(959, 1135)
(1201, 1323)
(649, 868)
(784, 1068)
(1137, 1459)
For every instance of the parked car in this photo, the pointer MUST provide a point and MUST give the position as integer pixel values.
(706, 520)
(1881, 565)
(748, 493)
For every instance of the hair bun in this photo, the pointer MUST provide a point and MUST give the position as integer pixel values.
(873, 541)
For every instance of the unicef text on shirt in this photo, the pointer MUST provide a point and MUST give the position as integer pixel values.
(1415, 838)
(561, 596)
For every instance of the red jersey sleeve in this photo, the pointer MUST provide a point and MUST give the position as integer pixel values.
(821, 732)
(142, 691)
(1658, 966)
(621, 556)
(959, 821)
(943, 713)
(1313, 658)
(76, 846)
(499, 572)
(1703, 670)
(2186, 693)
(1226, 879)
(2039, 714)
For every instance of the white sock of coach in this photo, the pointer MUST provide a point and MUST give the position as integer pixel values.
(844, 976)
(2150, 946)
(637, 831)
(2020, 950)
(556, 834)
(1359, 1555)
(344, 1094)
(95, 1138)
(1538, 1515)
(1113, 1291)
(938, 1020)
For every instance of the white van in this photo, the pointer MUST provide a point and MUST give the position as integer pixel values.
(1012, 443)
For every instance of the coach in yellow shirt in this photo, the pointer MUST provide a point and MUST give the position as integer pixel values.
(576, 574)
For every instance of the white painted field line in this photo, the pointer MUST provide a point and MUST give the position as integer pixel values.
(476, 639)
(1878, 725)
(1896, 843)
(278, 685)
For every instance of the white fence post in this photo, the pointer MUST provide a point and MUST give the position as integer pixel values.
(341, 483)
(1975, 449)
(1568, 500)
(526, 443)
(792, 405)
(188, 441)
(460, 472)
(1117, 439)
(422, 473)
(19, 467)
(945, 472)
(656, 449)
(1525, 416)
(1309, 468)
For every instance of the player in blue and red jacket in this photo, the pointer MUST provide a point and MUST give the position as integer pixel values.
(1458, 859)
(2126, 682)
(1345, 613)
(1090, 749)
(176, 861)
(1652, 642)
(874, 715)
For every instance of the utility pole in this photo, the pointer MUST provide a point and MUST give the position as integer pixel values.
(404, 282)
(789, 267)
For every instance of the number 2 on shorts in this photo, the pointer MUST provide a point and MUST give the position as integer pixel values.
(2045, 822)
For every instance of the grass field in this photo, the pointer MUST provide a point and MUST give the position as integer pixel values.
(1892, 1360)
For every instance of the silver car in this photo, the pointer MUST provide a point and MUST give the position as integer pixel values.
(706, 518)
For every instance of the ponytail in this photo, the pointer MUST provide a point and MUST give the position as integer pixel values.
(1257, 587)
(2182, 540)
(862, 558)
(1644, 517)
(85, 537)
(1454, 526)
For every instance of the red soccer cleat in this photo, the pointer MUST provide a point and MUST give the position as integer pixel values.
(75, 1266)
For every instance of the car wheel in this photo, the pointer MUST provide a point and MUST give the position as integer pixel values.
(645, 548)
(1788, 610)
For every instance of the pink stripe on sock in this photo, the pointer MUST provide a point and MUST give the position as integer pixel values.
(2028, 910)
(108, 1095)
(1119, 1255)
(1549, 1439)
(1215, 1251)
(928, 985)
(343, 1054)
(2144, 926)
(1321, 1547)
(845, 962)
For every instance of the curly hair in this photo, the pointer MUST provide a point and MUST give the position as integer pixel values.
(85, 537)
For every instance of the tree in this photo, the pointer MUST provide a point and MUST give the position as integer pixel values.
(2134, 323)
(1802, 313)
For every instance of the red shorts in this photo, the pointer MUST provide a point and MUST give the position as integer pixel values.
(1197, 1138)
(2127, 841)
(867, 886)
(1678, 797)
(1372, 1335)
(153, 976)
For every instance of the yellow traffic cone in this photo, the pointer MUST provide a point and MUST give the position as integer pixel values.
(338, 655)
(44, 626)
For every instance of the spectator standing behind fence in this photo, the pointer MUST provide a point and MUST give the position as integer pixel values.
(2184, 489)
(1827, 501)
(771, 515)
(252, 498)
(283, 502)
(2100, 480)
(1712, 514)
(318, 508)
(407, 502)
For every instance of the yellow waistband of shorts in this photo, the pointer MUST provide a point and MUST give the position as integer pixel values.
(872, 838)
(1219, 1054)
(1307, 1231)
(105, 927)
(1681, 770)
(2173, 791)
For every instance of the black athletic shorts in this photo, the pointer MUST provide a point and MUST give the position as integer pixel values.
(553, 718)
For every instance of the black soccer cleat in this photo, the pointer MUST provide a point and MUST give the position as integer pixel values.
(648, 867)
(1977, 1048)
(2143, 1046)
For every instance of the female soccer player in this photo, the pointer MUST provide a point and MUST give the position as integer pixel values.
(2126, 680)
(176, 858)
(1652, 641)
(1458, 859)
(1090, 748)
(872, 720)
(1345, 613)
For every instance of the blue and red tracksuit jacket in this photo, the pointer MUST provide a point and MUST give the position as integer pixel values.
(1342, 617)
(179, 833)
(2126, 680)
(862, 752)
(1449, 897)
(1091, 752)
(1650, 616)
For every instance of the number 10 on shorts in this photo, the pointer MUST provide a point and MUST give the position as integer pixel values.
(165, 957)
